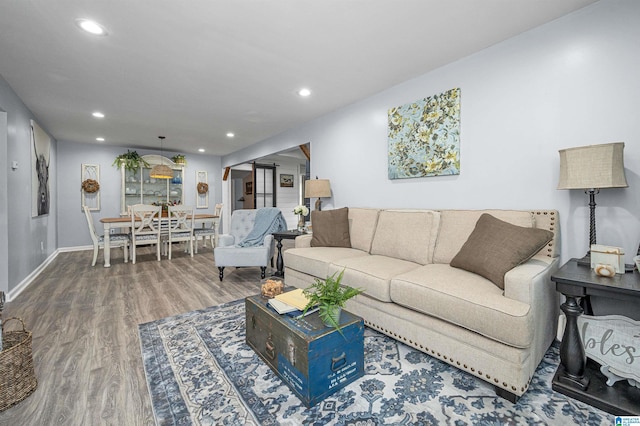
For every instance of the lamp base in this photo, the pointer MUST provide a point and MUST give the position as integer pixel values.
(585, 261)
(319, 204)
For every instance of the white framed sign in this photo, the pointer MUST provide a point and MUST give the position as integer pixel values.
(614, 342)
(202, 196)
(90, 180)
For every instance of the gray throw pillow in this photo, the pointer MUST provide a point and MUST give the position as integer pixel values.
(330, 228)
(495, 247)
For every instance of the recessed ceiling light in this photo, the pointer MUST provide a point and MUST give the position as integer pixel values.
(98, 114)
(92, 27)
(200, 149)
(304, 92)
(100, 139)
(230, 134)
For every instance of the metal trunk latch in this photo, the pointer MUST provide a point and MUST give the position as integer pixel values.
(270, 348)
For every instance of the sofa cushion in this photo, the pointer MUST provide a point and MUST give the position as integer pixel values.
(495, 247)
(465, 299)
(330, 228)
(408, 235)
(315, 260)
(362, 226)
(371, 273)
(457, 225)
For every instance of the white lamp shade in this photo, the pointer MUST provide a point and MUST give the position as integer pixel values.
(592, 167)
(316, 188)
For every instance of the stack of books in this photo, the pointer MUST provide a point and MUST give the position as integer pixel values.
(291, 303)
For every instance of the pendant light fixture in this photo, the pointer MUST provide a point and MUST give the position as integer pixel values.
(161, 171)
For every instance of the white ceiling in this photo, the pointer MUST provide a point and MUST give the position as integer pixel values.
(195, 70)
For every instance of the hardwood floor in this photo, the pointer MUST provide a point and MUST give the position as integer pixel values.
(85, 331)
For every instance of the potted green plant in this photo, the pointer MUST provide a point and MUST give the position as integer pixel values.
(330, 296)
(179, 159)
(131, 160)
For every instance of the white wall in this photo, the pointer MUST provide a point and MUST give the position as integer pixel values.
(571, 82)
(72, 226)
(288, 198)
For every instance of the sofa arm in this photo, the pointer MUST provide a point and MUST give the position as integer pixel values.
(520, 283)
(226, 240)
(303, 241)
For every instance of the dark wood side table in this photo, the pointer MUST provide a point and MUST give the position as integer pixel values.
(279, 236)
(577, 376)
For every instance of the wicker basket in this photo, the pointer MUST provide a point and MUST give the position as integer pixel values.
(17, 376)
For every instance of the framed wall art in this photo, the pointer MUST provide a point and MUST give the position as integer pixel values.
(286, 181)
(40, 160)
(424, 137)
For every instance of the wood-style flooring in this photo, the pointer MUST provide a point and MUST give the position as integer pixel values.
(85, 330)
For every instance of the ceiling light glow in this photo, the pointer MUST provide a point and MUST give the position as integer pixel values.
(230, 134)
(200, 149)
(304, 92)
(92, 27)
(98, 114)
(100, 139)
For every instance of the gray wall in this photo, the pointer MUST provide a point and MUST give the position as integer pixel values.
(4, 208)
(571, 82)
(72, 226)
(31, 240)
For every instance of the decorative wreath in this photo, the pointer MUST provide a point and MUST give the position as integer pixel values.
(203, 188)
(90, 186)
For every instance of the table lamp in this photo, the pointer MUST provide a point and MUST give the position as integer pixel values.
(317, 188)
(592, 168)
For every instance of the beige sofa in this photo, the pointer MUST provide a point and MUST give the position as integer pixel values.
(401, 258)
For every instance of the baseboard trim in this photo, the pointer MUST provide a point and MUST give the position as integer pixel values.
(11, 295)
(76, 248)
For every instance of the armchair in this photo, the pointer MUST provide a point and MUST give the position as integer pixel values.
(235, 249)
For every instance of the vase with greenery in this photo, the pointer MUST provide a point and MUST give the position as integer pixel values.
(330, 296)
(131, 160)
(179, 159)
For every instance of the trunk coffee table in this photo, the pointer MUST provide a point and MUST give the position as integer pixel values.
(312, 359)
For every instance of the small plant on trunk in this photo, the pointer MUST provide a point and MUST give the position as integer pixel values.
(330, 296)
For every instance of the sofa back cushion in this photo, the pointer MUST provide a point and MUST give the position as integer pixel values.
(362, 226)
(457, 225)
(407, 234)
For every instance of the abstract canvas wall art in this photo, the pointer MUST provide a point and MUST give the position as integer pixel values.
(40, 160)
(424, 137)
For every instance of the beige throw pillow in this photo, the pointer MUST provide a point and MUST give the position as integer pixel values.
(330, 228)
(495, 247)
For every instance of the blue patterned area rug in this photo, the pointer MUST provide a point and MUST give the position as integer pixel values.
(201, 372)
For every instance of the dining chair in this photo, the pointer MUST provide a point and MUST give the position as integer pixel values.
(180, 226)
(209, 231)
(115, 240)
(145, 228)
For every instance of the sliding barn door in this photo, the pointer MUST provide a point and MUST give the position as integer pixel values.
(264, 177)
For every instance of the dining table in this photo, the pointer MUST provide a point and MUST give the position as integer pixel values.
(124, 222)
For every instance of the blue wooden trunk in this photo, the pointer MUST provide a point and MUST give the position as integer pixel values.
(313, 360)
